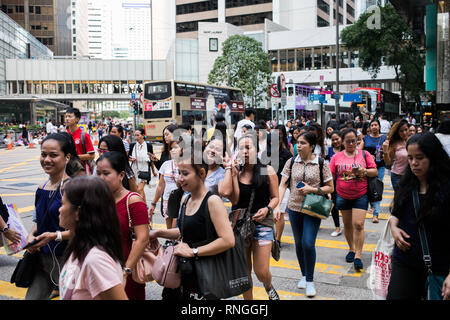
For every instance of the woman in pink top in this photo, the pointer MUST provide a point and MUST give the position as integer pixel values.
(394, 150)
(351, 171)
(92, 268)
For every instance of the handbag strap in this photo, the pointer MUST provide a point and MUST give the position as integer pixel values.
(422, 233)
(183, 213)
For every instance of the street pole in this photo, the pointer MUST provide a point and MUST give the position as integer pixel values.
(151, 33)
(338, 117)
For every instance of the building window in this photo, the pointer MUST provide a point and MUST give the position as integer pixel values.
(10, 9)
(249, 19)
(197, 7)
(31, 9)
(191, 26)
(19, 9)
(350, 10)
(322, 22)
(38, 10)
(322, 5)
(241, 3)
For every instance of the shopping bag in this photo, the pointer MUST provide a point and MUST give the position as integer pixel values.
(381, 267)
(16, 224)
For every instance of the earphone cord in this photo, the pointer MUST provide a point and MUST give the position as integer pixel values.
(54, 259)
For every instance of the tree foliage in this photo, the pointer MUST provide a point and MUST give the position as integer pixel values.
(243, 64)
(393, 44)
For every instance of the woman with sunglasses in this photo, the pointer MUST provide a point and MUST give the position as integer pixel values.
(351, 171)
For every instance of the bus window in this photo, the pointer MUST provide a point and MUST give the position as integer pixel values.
(192, 116)
(178, 107)
(236, 95)
(158, 91)
(290, 91)
(191, 90)
(180, 89)
(201, 92)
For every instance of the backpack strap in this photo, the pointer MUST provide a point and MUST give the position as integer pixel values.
(321, 161)
(288, 182)
(83, 140)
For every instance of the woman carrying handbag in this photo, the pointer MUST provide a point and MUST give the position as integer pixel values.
(200, 203)
(111, 168)
(305, 177)
(420, 221)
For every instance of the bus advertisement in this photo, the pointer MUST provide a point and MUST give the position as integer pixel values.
(378, 101)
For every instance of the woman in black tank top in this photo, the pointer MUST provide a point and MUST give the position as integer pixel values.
(238, 186)
(200, 204)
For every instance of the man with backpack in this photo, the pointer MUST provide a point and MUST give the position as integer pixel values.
(82, 140)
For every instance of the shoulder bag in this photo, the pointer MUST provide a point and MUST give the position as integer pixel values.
(143, 175)
(166, 271)
(223, 275)
(142, 272)
(317, 206)
(375, 186)
(242, 223)
(25, 270)
(434, 282)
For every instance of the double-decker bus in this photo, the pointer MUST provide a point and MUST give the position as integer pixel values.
(296, 103)
(188, 102)
(378, 101)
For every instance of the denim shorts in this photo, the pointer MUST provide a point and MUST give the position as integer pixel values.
(346, 204)
(263, 235)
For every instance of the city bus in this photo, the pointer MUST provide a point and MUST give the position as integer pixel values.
(187, 102)
(378, 101)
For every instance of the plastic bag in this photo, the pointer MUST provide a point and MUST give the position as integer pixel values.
(381, 267)
(15, 223)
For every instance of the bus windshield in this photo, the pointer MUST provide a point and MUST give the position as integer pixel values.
(158, 91)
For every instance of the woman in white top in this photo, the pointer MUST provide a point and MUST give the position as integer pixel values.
(168, 178)
(140, 159)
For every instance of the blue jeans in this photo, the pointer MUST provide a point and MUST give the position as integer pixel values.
(376, 205)
(305, 229)
(395, 179)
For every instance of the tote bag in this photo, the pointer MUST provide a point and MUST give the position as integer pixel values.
(381, 267)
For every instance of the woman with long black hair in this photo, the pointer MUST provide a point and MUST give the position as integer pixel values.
(242, 179)
(93, 260)
(428, 175)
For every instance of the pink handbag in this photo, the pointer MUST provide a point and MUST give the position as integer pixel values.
(142, 272)
(165, 270)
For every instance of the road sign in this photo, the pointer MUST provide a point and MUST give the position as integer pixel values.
(336, 96)
(317, 97)
(274, 93)
(133, 96)
(352, 97)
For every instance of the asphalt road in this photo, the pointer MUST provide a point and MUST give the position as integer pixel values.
(21, 174)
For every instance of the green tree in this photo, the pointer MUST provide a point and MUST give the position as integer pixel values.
(243, 64)
(392, 44)
(113, 114)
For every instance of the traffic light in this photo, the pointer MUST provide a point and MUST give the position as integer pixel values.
(136, 107)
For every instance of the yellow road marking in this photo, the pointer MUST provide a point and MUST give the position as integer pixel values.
(17, 194)
(22, 179)
(319, 267)
(25, 209)
(260, 293)
(19, 164)
(10, 290)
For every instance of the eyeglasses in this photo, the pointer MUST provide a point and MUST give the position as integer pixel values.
(350, 141)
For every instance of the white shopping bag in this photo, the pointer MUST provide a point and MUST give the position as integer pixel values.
(15, 223)
(381, 268)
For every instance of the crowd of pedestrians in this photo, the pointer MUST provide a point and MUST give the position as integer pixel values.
(334, 162)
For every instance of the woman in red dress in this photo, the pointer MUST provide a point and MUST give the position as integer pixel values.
(111, 168)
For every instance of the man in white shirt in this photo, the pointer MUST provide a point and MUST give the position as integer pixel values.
(249, 117)
(385, 125)
(49, 127)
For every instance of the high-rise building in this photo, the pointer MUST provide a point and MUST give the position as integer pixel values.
(79, 27)
(49, 21)
(250, 15)
(100, 29)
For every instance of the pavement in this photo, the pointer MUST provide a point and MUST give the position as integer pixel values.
(21, 174)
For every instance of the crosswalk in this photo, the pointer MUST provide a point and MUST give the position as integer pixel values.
(331, 270)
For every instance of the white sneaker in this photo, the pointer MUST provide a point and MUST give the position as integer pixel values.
(302, 283)
(336, 233)
(310, 290)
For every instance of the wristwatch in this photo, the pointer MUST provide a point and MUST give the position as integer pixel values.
(195, 251)
(270, 210)
(127, 270)
(4, 229)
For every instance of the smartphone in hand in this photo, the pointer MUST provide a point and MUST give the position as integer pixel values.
(300, 185)
(30, 244)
